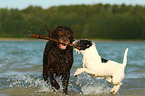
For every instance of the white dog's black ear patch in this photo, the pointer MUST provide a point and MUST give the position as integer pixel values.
(104, 60)
(83, 44)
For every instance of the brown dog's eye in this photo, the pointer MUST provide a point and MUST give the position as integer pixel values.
(60, 33)
(68, 35)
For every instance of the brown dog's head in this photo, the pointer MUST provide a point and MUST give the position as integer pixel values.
(64, 35)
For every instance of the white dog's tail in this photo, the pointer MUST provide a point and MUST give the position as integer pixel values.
(125, 57)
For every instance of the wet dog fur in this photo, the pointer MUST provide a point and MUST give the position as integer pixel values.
(58, 58)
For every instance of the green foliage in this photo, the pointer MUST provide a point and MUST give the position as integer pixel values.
(87, 21)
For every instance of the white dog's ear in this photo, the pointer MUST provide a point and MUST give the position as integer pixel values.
(92, 41)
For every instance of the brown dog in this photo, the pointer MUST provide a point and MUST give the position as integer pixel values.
(58, 58)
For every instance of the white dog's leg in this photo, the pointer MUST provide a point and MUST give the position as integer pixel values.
(116, 80)
(116, 88)
(81, 70)
(109, 79)
(113, 89)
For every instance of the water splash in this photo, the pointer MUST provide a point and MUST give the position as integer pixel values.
(94, 86)
(95, 89)
(27, 81)
(80, 86)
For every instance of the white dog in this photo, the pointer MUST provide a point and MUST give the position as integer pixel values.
(96, 66)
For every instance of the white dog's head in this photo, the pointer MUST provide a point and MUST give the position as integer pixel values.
(82, 45)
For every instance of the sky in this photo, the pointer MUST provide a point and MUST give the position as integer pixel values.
(21, 4)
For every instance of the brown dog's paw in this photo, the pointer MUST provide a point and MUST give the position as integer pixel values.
(55, 84)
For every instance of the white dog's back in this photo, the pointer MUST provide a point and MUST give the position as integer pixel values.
(92, 59)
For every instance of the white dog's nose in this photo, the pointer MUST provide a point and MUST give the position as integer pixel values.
(75, 42)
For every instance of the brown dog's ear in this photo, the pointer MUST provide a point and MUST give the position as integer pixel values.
(49, 32)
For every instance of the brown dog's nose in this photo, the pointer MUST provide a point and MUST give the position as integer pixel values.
(64, 40)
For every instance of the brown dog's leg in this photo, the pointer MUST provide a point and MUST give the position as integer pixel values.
(45, 73)
(53, 82)
(45, 77)
(45, 66)
(65, 80)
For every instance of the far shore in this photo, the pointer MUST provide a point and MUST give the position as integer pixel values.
(35, 39)
(21, 39)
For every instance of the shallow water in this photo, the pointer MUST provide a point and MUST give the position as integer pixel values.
(21, 70)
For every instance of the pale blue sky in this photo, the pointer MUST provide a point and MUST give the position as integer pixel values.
(21, 4)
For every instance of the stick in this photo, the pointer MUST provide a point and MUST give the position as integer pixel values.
(48, 38)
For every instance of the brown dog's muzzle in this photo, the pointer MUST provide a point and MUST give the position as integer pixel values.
(64, 40)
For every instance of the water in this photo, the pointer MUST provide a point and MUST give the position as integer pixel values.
(21, 70)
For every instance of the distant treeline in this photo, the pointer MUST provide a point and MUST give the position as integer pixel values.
(87, 21)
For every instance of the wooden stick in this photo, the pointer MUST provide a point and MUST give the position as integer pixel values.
(48, 38)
